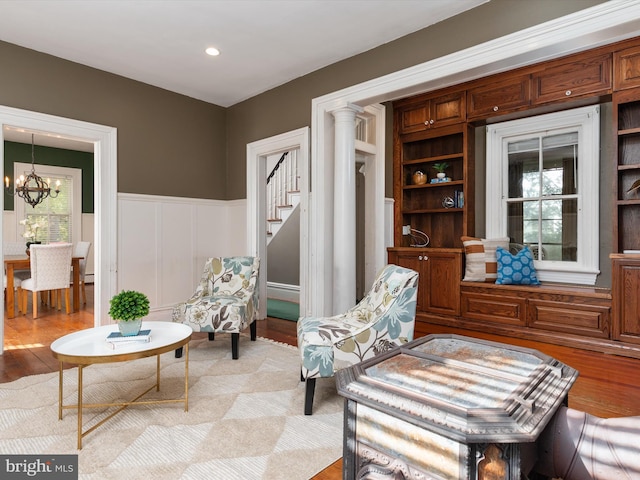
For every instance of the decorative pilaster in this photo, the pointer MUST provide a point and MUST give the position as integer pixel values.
(344, 208)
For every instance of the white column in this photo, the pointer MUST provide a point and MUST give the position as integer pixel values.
(344, 209)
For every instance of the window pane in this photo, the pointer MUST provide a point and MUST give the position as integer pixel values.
(560, 164)
(524, 176)
(53, 215)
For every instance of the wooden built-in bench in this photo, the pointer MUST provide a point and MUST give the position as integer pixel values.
(568, 315)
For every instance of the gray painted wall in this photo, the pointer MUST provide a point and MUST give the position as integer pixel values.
(168, 144)
(188, 148)
(288, 107)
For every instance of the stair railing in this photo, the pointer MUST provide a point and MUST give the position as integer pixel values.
(282, 180)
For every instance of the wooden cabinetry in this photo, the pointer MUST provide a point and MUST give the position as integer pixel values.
(586, 75)
(428, 111)
(425, 207)
(626, 64)
(626, 297)
(626, 218)
(498, 95)
(440, 270)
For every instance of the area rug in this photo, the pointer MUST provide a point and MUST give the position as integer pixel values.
(245, 418)
(281, 309)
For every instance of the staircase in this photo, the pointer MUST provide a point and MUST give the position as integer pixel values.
(283, 195)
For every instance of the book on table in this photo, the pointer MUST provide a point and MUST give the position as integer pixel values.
(117, 337)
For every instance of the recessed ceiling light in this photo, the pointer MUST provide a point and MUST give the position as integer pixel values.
(212, 51)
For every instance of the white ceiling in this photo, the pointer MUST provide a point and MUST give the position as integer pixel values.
(263, 43)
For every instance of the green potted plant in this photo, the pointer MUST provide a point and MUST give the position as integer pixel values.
(440, 168)
(128, 308)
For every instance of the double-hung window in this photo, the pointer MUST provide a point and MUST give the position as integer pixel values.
(542, 191)
(57, 219)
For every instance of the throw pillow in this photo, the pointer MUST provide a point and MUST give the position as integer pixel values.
(516, 269)
(480, 258)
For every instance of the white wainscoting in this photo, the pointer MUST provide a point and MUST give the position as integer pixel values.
(163, 243)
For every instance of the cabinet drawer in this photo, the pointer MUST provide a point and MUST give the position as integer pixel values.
(492, 308)
(565, 81)
(497, 98)
(579, 319)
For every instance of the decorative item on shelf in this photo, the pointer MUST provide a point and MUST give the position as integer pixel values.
(440, 168)
(33, 189)
(448, 202)
(128, 308)
(419, 177)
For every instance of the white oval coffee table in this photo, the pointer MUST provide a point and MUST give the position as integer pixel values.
(88, 347)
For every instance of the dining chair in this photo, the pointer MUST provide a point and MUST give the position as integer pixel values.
(50, 270)
(17, 287)
(81, 249)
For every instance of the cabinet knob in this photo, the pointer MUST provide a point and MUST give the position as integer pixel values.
(425, 258)
(426, 123)
(567, 93)
(431, 121)
(495, 109)
(419, 257)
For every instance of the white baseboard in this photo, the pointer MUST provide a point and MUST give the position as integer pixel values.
(282, 291)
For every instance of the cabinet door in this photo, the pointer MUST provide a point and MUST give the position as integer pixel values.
(563, 81)
(626, 64)
(626, 300)
(431, 112)
(413, 260)
(447, 110)
(414, 118)
(443, 271)
(497, 98)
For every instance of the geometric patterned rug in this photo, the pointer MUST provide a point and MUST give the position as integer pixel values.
(245, 418)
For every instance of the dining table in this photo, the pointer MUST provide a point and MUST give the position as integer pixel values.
(23, 262)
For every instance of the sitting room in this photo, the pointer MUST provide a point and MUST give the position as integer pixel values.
(524, 246)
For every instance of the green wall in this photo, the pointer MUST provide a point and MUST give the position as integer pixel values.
(20, 152)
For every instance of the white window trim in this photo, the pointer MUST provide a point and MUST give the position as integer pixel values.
(52, 171)
(586, 121)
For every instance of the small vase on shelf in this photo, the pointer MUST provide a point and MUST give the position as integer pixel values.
(419, 178)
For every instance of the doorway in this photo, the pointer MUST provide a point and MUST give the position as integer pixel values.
(104, 139)
(257, 155)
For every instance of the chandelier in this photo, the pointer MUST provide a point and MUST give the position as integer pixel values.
(33, 189)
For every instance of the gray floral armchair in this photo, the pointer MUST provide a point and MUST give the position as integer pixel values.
(226, 300)
(383, 319)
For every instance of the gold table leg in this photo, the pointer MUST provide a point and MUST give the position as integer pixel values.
(122, 405)
(80, 369)
(186, 377)
(60, 393)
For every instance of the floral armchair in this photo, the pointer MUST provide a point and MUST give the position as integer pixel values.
(226, 300)
(383, 319)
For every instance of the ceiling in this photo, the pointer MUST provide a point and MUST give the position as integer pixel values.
(263, 43)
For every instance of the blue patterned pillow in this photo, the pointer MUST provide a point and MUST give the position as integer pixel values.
(516, 269)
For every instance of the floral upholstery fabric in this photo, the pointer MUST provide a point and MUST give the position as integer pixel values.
(226, 299)
(384, 319)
